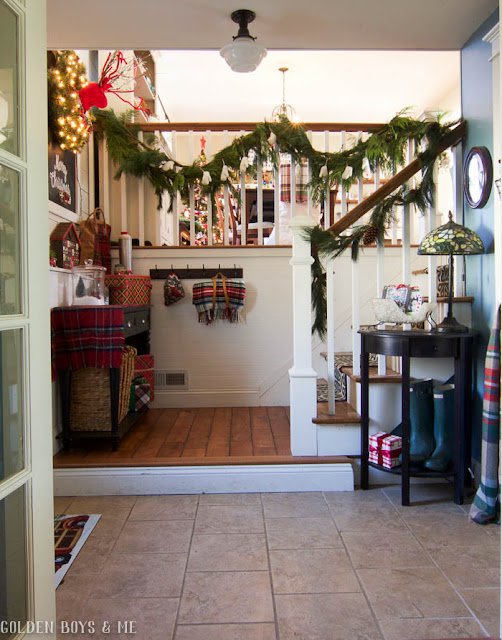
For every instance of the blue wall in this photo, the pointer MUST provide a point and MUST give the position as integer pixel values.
(476, 70)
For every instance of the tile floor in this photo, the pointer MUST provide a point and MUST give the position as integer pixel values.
(308, 566)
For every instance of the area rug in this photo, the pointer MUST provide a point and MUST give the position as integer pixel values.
(342, 360)
(70, 533)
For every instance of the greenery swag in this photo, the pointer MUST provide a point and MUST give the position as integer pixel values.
(384, 150)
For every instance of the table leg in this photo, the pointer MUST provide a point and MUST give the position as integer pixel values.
(405, 399)
(114, 406)
(364, 413)
(65, 391)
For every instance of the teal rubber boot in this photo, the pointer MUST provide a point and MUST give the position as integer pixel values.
(422, 442)
(444, 428)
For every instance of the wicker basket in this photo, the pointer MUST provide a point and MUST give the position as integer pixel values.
(90, 395)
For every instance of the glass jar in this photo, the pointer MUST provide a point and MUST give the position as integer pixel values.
(88, 284)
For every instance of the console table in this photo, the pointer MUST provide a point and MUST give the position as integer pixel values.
(420, 344)
(90, 336)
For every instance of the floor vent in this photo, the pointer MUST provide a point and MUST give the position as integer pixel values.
(171, 380)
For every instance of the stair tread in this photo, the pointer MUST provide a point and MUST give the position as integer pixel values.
(344, 414)
(389, 376)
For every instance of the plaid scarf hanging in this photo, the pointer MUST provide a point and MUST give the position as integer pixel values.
(219, 299)
(302, 178)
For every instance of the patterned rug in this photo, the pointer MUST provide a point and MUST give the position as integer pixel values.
(343, 360)
(70, 533)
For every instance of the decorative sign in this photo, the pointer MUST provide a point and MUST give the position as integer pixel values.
(62, 177)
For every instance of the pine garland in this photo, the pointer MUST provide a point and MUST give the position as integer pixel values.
(385, 150)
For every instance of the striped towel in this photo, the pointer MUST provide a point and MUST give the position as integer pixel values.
(486, 505)
(302, 178)
(218, 299)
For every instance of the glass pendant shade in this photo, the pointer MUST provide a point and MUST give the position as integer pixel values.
(243, 54)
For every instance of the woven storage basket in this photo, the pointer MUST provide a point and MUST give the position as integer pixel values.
(90, 395)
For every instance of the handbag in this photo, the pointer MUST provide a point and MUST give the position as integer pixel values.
(95, 240)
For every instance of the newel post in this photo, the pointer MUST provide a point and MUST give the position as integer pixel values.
(303, 394)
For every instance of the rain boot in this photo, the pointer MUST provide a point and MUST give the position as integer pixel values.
(444, 428)
(422, 441)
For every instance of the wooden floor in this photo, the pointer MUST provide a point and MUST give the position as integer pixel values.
(208, 436)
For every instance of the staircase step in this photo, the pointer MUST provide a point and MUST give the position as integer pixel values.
(374, 378)
(345, 414)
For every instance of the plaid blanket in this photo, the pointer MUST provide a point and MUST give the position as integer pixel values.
(302, 178)
(87, 337)
(218, 299)
(486, 505)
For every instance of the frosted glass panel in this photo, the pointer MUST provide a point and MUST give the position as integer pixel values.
(9, 81)
(10, 299)
(11, 403)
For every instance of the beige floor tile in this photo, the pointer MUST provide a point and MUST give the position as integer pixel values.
(146, 618)
(164, 508)
(426, 629)
(100, 504)
(312, 571)
(224, 597)
(61, 505)
(424, 494)
(367, 518)
(92, 556)
(446, 529)
(110, 523)
(333, 616)
(302, 533)
(369, 497)
(411, 593)
(148, 536)
(385, 548)
(141, 575)
(228, 552)
(72, 593)
(256, 631)
(492, 531)
(229, 519)
(485, 604)
(231, 499)
(470, 566)
(294, 505)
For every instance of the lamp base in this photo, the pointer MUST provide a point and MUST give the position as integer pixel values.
(449, 324)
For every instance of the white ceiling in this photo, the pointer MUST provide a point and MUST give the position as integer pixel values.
(280, 24)
(322, 86)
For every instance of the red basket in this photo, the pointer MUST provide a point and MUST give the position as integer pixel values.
(129, 291)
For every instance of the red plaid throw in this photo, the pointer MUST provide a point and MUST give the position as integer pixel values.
(87, 337)
(219, 299)
(302, 178)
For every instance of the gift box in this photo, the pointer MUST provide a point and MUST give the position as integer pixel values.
(387, 459)
(144, 366)
(139, 399)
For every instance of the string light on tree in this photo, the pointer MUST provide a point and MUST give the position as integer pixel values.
(66, 118)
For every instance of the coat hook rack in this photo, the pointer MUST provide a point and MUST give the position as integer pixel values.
(197, 274)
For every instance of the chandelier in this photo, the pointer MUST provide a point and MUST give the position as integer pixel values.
(284, 109)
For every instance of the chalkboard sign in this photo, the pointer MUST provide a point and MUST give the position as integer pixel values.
(62, 177)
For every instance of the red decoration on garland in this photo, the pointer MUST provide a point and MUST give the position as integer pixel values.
(94, 94)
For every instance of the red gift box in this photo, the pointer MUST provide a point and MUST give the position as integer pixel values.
(144, 366)
(385, 441)
(140, 397)
(387, 459)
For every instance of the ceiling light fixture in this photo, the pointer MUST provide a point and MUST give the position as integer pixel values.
(284, 109)
(243, 54)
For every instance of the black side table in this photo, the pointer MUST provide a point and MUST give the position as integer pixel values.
(420, 344)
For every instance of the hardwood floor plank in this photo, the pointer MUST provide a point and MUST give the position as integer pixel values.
(222, 421)
(241, 424)
(201, 426)
(193, 453)
(283, 445)
(279, 420)
(151, 446)
(181, 428)
(170, 450)
(241, 448)
(218, 447)
(264, 451)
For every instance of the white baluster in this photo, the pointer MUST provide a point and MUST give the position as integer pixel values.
(176, 205)
(343, 195)
(259, 199)
(92, 185)
(293, 188)
(309, 175)
(303, 394)
(330, 331)
(141, 201)
(382, 363)
(209, 199)
(356, 300)
(406, 226)
(432, 260)
(191, 155)
(243, 206)
(226, 203)
(327, 197)
(277, 198)
(458, 198)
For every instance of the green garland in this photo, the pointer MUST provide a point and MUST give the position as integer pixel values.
(385, 150)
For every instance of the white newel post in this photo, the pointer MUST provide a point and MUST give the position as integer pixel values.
(303, 393)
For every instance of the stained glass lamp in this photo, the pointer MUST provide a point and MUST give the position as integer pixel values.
(451, 239)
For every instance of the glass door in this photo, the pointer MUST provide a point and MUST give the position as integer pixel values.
(26, 547)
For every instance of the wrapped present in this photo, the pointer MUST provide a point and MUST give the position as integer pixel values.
(139, 399)
(386, 442)
(387, 459)
(144, 366)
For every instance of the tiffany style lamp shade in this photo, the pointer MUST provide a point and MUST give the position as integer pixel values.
(451, 239)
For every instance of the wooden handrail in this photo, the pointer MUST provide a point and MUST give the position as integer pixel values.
(250, 126)
(394, 183)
